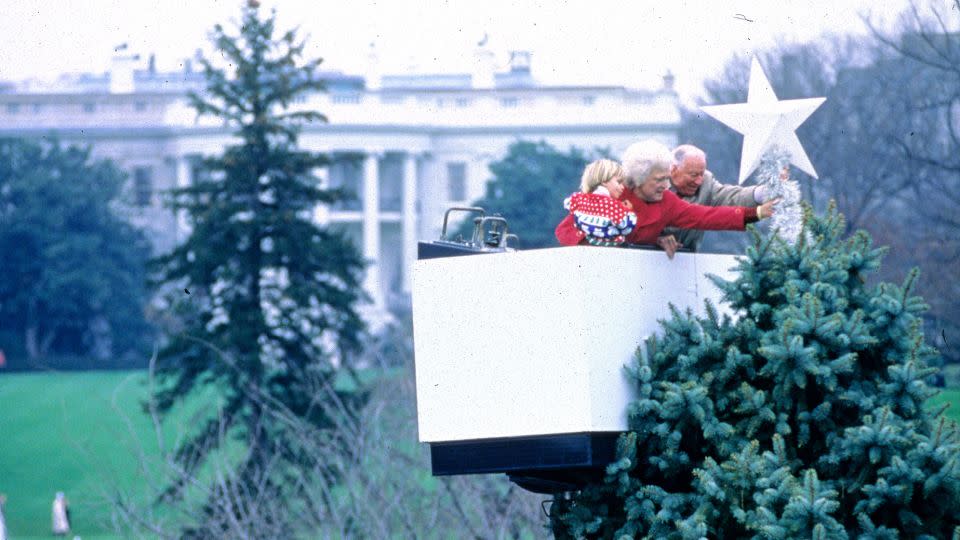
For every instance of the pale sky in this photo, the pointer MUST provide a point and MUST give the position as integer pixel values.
(577, 42)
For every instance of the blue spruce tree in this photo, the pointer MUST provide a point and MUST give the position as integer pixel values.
(805, 416)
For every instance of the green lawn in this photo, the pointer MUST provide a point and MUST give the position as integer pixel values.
(81, 433)
(951, 396)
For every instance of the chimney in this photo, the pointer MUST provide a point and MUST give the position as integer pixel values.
(121, 70)
(520, 62)
(668, 80)
(483, 60)
(373, 76)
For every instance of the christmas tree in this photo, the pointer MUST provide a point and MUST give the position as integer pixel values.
(804, 415)
(265, 298)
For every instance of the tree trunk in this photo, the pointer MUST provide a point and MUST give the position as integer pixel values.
(30, 342)
(46, 342)
(37, 346)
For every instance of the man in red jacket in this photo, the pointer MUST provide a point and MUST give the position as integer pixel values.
(646, 165)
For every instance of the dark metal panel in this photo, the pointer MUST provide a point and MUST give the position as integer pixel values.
(524, 454)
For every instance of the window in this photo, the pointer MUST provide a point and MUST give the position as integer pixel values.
(89, 107)
(199, 173)
(588, 100)
(13, 108)
(509, 102)
(391, 184)
(346, 98)
(140, 106)
(457, 181)
(463, 102)
(142, 186)
(345, 174)
(37, 108)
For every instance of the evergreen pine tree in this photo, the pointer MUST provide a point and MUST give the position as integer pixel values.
(265, 298)
(526, 185)
(805, 416)
(72, 271)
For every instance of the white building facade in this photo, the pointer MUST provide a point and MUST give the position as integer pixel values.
(408, 147)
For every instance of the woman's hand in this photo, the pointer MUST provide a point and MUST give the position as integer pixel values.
(669, 244)
(765, 210)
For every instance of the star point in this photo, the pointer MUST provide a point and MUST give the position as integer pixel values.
(767, 122)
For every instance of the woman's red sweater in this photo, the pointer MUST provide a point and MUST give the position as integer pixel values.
(671, 211)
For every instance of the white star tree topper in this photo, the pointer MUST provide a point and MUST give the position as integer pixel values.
(766, 123)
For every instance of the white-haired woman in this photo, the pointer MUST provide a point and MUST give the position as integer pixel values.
(646, 165)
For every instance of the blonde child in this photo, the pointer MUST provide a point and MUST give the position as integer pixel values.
(599, 215)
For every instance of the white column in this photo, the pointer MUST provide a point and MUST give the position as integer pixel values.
(183, 180)
(409, 217)
(371, 226)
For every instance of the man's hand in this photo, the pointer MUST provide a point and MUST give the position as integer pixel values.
(760, 194)
(669, 244)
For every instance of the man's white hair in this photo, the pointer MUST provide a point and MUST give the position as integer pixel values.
(681, 152)
(643, 158)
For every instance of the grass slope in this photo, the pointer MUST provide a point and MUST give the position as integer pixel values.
(951, 396)
(69, 432)
(81, 433)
